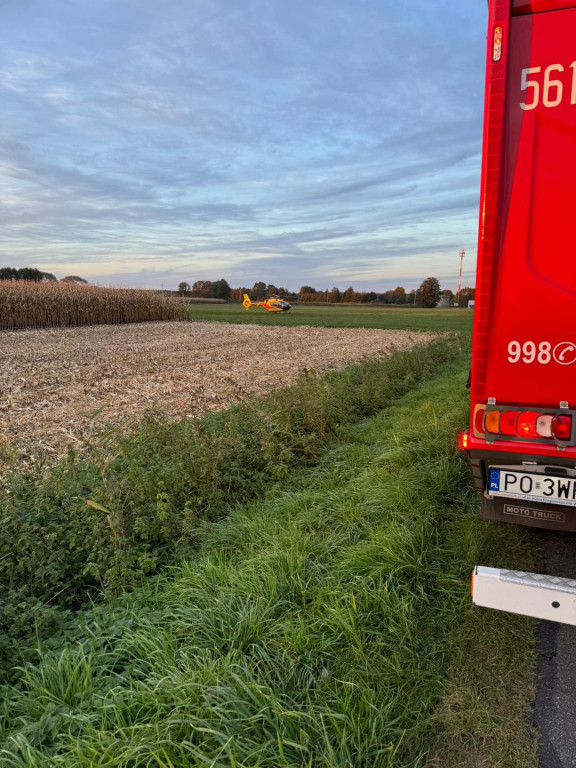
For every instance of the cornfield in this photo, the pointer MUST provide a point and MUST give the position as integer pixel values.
(25, 304)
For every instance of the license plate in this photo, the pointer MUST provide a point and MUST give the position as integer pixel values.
(532, 486)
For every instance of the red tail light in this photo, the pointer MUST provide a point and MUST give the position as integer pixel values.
(526, 424)
(479, 421)
(508, 421)
(562, 427)
(464, 441)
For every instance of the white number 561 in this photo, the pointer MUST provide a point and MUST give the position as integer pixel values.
(552, 88)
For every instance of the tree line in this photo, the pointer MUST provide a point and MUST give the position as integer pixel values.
(31, 274)
(26, 273)
(427, 295)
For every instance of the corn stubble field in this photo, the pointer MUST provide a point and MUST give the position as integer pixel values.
(281, 584)
(53, 381)
(25, 304)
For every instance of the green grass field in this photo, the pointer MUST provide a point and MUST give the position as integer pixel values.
(338, 316)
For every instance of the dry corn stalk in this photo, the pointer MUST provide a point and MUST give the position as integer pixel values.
(25, 304)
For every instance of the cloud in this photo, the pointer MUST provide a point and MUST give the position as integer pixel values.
(295, 137)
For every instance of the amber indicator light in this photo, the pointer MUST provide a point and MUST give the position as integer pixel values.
(491, 419)
(497, 44)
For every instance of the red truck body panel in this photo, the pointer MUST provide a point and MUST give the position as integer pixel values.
(539, 6)
(524, 345)
(522, 439)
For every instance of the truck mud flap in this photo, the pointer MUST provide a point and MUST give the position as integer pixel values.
(531, 513)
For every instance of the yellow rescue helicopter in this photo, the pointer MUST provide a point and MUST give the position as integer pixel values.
(272, 304)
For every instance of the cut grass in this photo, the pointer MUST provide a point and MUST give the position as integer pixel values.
(328, 625)
(335, 316)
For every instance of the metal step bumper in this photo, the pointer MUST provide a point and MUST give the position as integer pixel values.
(530, 594)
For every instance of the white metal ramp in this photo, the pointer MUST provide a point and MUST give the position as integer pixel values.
(531, 594)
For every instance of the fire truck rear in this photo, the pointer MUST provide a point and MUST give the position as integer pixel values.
(522, 436)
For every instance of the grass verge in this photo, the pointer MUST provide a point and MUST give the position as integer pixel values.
(328, 625)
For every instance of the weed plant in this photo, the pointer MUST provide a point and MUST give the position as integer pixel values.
(133, 502)
(327, 625)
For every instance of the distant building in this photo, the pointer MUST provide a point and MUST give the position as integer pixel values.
(444, 302)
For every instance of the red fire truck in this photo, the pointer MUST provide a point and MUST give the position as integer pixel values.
(522, 436)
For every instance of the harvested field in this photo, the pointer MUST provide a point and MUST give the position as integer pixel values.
(53, 381)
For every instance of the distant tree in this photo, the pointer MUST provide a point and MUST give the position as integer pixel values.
(26, 273)
(260, 289)
(448, 292)
(74, 279)
(348, 294)
(32, 274)
(306, 289)
(183, 287)
(369, 296)
(221, 290)
(428, 295)
(8, 273)
(202, 289)
(411, 297)
(397, 296)
(334, 295)
(271, 290)
(465, 295)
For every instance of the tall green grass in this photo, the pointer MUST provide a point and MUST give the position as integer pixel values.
(328, 625)
(133, 502)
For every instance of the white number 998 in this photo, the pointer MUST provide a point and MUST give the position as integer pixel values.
(528, 350)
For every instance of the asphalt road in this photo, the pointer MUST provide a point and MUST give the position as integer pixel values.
(555, 707)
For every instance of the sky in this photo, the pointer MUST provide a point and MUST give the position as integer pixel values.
(298, 142)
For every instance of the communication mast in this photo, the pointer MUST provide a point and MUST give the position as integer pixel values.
(461, 254)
